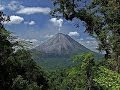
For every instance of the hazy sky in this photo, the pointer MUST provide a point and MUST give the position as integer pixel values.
(30, 20)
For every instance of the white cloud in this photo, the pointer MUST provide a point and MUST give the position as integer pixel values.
(34, 43)
(89, 42)
(14, 5)
(26, 43)
(2, 7)
(30, 23)
(73, 34)
(33, 10)
(57, 22)
(49, 36)
(15, 20)
(27, 40)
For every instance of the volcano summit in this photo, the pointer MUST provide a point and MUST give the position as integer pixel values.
(61, 44)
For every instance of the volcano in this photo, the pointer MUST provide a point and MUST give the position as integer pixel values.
(61, 45)
(57, 51)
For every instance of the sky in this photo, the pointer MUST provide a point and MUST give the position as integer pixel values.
(31, 21)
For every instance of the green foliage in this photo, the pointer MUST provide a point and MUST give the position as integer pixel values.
(87, 69)
(53, 63)
(34, 86)
(108, 79)
(56, 80)
(18, 71)
(6, 52)
(19, 83)
(78, 77)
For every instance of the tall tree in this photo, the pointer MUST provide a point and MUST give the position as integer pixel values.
(5, 52)
(18, 71)
(87, 69)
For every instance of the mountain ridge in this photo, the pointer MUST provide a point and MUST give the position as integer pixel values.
(61, 44)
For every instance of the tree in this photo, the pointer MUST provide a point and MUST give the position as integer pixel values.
(108, 79)
(102, 22)
(6, 52)
(17, 68)
(29, 70)
(87, 69)
(79, 77)
(109, 10)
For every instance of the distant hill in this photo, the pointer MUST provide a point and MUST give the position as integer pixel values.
(57, 51)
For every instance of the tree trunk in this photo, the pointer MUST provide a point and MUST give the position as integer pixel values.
(118, 65)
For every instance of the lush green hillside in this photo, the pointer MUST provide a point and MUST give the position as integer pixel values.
(52, 62)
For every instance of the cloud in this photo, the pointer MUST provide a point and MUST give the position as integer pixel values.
(2, 7)
(33, 10)
(30, 23)
(14, 5)
(26, 40)
(57, 22)
(27, 43)
(73, 34)
(49, 36)
(34, 43)
(89, 42)
(15, 20)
